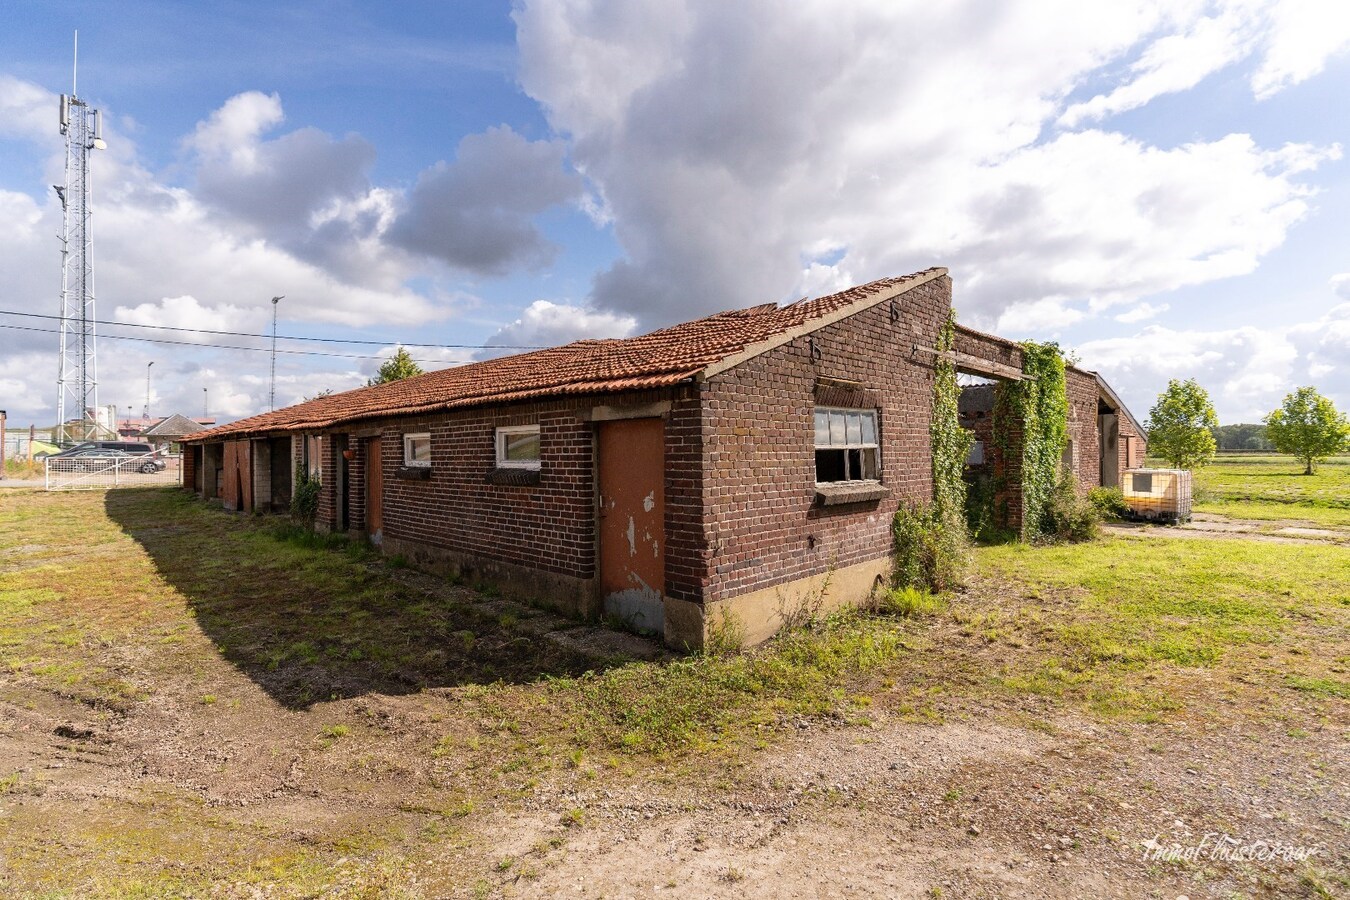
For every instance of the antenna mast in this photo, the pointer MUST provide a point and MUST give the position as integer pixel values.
(77, 385)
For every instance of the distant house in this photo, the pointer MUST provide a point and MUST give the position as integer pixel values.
(171, 430)
(732, 466)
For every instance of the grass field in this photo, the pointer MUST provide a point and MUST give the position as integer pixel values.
(193, 699)
(1274, 487)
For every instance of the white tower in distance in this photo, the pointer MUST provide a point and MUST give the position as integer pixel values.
(77, 386)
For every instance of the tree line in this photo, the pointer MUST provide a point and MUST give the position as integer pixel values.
(1184, 429)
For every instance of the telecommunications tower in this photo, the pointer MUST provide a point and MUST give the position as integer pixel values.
(77, 386)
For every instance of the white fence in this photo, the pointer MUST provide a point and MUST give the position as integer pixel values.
(75, 473)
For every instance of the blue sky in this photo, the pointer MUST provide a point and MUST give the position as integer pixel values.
(1161, 186)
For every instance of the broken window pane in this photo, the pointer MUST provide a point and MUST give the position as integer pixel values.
(830, 466)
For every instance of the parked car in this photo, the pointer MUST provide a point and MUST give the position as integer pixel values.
(96, 454)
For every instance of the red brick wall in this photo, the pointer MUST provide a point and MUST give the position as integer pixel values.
(688, 549)
(986, 346)
(1132, 451)
(761, 521)
(549, 526)
(1083, 393)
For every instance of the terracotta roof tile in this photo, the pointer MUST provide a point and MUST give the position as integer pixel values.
(659, 359)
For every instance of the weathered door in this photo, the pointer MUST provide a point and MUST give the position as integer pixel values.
(374, 491)
(237, 486)
(632, 464)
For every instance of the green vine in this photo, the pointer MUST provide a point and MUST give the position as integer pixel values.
(950, 442)
(1041, 404)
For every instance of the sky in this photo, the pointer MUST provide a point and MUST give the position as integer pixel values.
(1161, 187)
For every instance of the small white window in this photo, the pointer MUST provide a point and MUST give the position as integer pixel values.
(417, 450)
(518, 447)
(846, 445)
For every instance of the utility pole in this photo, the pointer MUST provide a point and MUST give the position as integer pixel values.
(145, 414)
(206, 405)
(77, 383)
(272, 397)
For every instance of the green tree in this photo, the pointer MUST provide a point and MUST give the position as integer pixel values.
(396, 368)
(1179, 425)
(1308, 426)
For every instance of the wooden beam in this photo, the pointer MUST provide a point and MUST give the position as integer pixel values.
(976, 365)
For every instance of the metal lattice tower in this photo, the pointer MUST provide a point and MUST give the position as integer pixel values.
(77, 385)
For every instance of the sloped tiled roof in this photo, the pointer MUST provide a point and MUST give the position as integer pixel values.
(175, 425)
(659, 359)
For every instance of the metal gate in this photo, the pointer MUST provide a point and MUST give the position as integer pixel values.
(75, 473)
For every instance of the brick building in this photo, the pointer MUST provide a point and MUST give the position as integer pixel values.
(739, 465)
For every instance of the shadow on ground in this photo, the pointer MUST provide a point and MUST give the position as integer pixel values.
(310, 618)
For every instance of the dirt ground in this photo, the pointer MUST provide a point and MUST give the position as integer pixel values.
(199, 781)
(969, 808)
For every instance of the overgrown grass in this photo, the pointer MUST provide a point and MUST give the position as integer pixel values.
(113, 599)
(697, 702)
(1274, 487)
(1251, 610)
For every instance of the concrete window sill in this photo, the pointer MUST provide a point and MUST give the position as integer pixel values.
(838, 493)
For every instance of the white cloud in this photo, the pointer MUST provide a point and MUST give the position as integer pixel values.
(1175, 62)
(187, 312)
(1246, 370)
(232, 132)
(26, 110)
(1142, 313)
(1303, 36)
(1340, 284)
(547, 324)
(729, 140)
(1037, 317)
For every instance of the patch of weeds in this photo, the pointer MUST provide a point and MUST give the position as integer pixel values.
(726, 635)
(397, 561)
(911, 603)
(574, 818)
(208, 699)
(335, 731)
(1326, 687)
(952, 795)
(733, 875)
(505, 863)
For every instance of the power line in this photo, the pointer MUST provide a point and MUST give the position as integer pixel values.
(129, 337)
(283, 337)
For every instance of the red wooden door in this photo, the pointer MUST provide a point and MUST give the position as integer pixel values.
(632, 521)
(374, 491)
(237, 489)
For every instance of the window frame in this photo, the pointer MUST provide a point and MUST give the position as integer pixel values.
(846, 446)
(408, 460)
(499, 442)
